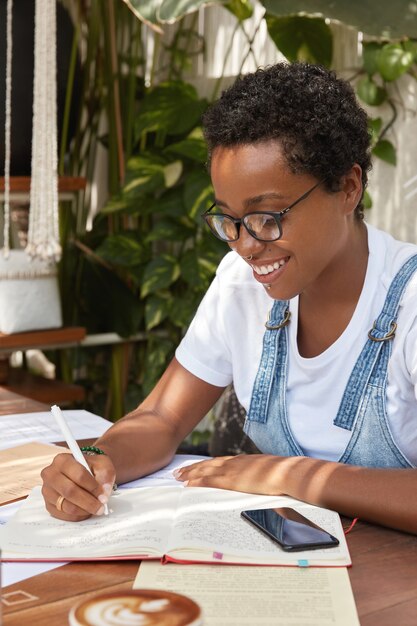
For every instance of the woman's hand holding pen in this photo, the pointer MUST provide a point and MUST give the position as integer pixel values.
(71, 493)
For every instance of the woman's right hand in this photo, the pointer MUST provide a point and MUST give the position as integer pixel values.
(71, 493)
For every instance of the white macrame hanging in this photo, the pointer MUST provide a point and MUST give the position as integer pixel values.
(29, 294)
(43, 233)
(7, 129)
(43, 230)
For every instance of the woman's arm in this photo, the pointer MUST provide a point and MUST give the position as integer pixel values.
(147, 438)
(383, 496)
(142, 442)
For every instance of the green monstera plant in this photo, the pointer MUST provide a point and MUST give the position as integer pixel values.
(149, 258)
(164, 253)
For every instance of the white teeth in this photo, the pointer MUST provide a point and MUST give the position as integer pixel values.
(263, 270)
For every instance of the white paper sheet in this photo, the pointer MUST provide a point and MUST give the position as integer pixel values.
(21, 428)
(267, 596)
(165, 477)
(15, 572)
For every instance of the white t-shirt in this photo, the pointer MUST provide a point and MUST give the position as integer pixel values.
(224, 344)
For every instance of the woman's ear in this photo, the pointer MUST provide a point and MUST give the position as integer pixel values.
(351, 186)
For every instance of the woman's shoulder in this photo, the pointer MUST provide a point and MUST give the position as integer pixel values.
(390, 254)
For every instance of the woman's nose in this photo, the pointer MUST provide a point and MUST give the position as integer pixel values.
(247, 245)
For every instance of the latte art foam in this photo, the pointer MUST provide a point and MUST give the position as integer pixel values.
(137, 608)
(117, 612)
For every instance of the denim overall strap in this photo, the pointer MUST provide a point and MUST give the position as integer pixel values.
(267, 423)
(371, 366)
(278, 318)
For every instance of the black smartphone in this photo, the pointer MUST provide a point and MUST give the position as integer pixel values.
(291, 530)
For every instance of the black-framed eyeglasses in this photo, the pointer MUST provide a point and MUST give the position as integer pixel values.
(262, 225)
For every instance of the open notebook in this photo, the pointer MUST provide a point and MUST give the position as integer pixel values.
(167, 523)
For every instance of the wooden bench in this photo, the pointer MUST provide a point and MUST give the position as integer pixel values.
(68, 187)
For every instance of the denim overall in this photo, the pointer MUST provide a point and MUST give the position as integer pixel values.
(362, 409)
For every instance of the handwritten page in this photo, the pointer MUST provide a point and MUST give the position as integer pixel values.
(140, 523)
(25, 427)
(20, 468)
(265, 596)
(207, 515)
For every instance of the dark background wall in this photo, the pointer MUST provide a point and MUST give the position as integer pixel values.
(22, 79)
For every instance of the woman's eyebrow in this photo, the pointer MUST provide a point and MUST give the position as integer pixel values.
(254, 200)
(273, 195)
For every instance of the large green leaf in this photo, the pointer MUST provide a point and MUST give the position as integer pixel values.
(144, 174)
(196, 270)
(302, 38)
(198, 192)
(156, 310)
(393, 61)
(383, 18)
(367, 200)
(370, 53)
(371, 93)
(160, 351)
(411, 46)
(168, 230)
(173, 107)
(385, 151)
(170, 203)
(123, 250)
(172, 173)
(120, 203)
(193, 148)
(159, 273)
(374, 125)
(182, 310)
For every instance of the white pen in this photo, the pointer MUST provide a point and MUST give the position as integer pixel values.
(72, 444)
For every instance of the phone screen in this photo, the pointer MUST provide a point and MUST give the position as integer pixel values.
(290, 529)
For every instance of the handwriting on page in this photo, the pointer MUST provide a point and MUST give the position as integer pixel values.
(199, 523)
(142, 522)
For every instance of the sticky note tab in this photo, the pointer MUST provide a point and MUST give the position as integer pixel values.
(302, 563)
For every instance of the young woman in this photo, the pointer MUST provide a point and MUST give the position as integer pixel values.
(312, 315)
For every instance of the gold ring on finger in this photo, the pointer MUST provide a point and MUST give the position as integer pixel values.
(59, 503)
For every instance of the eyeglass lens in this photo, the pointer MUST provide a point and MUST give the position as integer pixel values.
(259, 225)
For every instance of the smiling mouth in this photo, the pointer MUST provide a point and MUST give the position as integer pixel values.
(264, 270)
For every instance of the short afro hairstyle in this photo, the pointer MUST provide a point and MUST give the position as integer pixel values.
(314, 115)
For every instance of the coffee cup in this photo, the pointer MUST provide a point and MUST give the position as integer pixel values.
(139, 607)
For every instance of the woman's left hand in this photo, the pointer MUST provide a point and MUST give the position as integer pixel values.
(251, 473)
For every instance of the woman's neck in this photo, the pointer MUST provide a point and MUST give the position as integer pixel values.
(326, 308)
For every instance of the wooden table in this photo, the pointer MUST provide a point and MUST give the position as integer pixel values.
(383, 576)
(11, 402)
